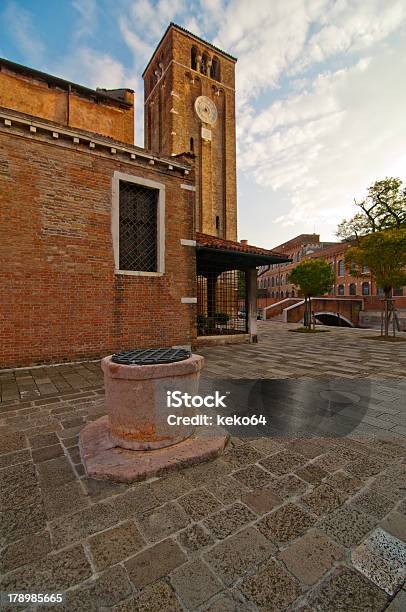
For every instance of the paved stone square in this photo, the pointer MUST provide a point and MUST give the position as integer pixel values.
(282, 522)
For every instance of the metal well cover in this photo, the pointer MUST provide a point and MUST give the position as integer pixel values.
(151, 356)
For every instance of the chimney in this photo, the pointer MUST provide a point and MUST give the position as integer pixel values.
(244, 242)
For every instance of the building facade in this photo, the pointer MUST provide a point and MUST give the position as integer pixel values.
(92, 228)
(103, 243)
(275, 282)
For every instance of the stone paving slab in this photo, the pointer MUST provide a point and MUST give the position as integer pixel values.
(278, 522)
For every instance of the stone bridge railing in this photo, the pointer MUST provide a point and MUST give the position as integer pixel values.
(347, 308)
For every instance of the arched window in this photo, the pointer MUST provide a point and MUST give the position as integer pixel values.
(193, 58)
(277, 294)
(365, 289)
(192, 145)
(277, 281)
(273, 281)
(282, 278)
(341, 267)
(273, 294)
(217, 222)
(281, 294)
(205, 65)
(365, 270)
(292, 293)
(340, 289)
(353, 289)
(215, 69)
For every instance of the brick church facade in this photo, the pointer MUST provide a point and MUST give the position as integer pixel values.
(102, 242)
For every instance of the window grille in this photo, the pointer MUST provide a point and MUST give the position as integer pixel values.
(138, 227)
(365, 288)
(222, 302)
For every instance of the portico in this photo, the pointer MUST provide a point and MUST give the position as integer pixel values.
(227, 274)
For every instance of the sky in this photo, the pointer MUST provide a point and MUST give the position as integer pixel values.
(321, 89)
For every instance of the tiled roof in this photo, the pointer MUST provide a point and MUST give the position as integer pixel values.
(212, 242)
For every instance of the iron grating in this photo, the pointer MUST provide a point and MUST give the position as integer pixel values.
(151, 356)
(138, 227)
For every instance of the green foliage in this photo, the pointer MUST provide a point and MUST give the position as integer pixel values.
(241, 284)
(201, 322)
(313, 277)
(222, 318)
(383, 208)
(385, 255)
(208, 324)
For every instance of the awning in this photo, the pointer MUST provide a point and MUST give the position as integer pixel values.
(225, 255)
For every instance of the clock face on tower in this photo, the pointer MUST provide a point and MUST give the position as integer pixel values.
(206, 110)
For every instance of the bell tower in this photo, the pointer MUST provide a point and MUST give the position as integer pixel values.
(189, 107)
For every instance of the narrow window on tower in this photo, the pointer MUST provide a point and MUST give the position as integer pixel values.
(215, 69)
(217, 222)
(193, 58)
(192, 145)
(205, 65)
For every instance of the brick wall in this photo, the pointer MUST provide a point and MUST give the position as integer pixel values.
(93, 112)
(59, 296)
(170, 90)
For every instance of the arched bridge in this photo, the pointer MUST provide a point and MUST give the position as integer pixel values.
(327, 310)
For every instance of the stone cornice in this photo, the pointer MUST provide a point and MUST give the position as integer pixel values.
(84, 141)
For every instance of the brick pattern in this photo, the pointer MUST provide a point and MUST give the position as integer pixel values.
(322, 529)
(170, 90)
(60, 297)
(40, 97)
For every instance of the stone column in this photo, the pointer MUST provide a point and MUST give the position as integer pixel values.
(251, 279)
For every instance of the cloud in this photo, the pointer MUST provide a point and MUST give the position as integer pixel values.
(267, 40)
(347, 29)
(139, 47)
(93, 69)
(320, 148)
(320, 92)
(87, 17)
(21, 28)
(151, 18)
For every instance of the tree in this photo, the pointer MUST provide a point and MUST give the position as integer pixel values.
(241, 284)
(383, 208)
(313, 277)
(384, 253)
